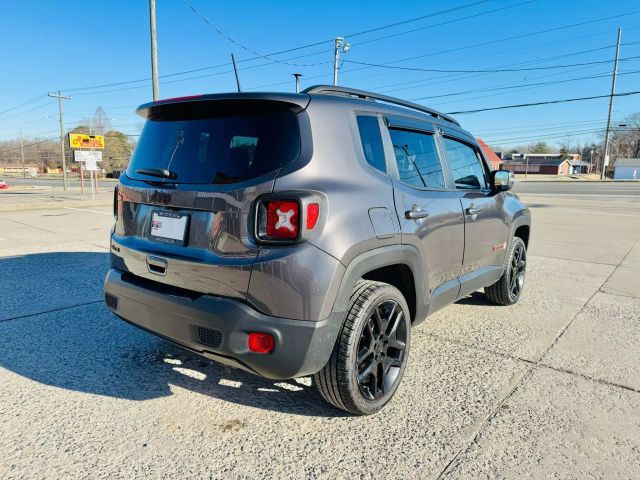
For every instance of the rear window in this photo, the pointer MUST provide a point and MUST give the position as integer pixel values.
(218, 150)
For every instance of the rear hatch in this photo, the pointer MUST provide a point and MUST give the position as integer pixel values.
(183, 207)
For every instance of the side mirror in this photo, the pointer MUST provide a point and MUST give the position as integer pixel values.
(501, 180)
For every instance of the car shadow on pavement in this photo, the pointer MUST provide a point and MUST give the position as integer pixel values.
(475, 299)
(86, 348)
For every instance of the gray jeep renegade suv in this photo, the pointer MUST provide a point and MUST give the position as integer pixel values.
(305, 234)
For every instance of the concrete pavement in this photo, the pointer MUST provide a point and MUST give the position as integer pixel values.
(546, 388)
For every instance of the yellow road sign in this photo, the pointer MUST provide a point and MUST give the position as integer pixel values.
(82, 140)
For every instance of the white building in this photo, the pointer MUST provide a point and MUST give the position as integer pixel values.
(627, 169)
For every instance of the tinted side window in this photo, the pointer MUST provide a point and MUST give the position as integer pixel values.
(465, 164)
(417, 159)
(372, 142)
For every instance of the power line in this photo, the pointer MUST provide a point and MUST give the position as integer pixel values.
(29, 145)
(482, 44)
(230, 39)
(488, 12)
(551, 136)
(549, 102)
(27, 111)
(506, 39)
(421, 82)
(113, 84)
(522, 88)
(415, 19)
(512, 85)
(500, 70)
(548, 126)
(567, 129)
(35, 99)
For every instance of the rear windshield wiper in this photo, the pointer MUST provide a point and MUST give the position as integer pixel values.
(157, 172)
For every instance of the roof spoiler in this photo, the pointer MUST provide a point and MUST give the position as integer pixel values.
(297, 101)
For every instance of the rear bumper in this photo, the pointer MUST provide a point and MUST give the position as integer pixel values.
(218, 328)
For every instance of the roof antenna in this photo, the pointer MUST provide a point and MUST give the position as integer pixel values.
(235, 70)
(297, 75)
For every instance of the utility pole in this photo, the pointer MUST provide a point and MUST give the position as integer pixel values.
(605, 161)
(60, 97)
(154, 50)
(24, 172)
(235, 71)
(297, 75)
(340, 44)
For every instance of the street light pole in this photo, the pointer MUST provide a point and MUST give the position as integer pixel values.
(154, 50)
(60, 97)
(340, 44)
(605, 160)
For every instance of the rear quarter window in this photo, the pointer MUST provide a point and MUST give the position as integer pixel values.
(371, 140)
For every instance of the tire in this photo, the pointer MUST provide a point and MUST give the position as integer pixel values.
(508, 289)
(377, 332)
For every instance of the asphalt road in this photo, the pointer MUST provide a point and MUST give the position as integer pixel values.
(548, 388)
(627, 189)
(542, 188)
(52, 182)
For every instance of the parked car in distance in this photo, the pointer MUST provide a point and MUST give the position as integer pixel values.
(3, 185)
(307, 234)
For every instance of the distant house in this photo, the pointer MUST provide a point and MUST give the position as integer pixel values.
(17, 168)
(627, 169)
(580, 166)
(493, 160)
(546, 163)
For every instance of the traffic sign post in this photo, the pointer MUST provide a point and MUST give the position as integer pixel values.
(88, 160)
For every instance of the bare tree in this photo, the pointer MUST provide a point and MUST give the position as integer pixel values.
(99, 123)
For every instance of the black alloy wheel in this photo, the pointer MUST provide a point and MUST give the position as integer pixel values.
(517, 270)
(381, 350)
(371, 352)
(508, 289)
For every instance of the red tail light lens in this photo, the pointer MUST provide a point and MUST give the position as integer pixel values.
(260, 342)
(279, 220)
(287, 219)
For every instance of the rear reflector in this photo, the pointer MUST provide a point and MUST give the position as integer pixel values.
(260, 342)
(313, 212)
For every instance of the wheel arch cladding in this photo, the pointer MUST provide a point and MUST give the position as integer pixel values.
(400, 276)
(522, 232)
(388, 264)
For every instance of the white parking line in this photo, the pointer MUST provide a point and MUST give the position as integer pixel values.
(87, 210)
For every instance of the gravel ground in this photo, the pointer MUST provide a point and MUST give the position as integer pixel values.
(547, 388)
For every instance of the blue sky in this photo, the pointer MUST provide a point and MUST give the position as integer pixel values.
(76, 44)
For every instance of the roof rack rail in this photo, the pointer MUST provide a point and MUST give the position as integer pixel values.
(332, 89)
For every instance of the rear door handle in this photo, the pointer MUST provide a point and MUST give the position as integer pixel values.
(415, 213)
